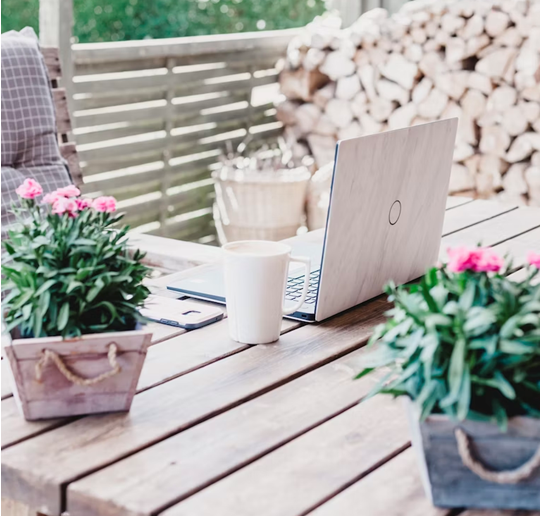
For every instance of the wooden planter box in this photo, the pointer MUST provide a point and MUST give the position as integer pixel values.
(448, 482)
(95, 373)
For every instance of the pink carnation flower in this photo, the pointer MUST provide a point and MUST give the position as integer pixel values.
(51, 198)
(478, 259)
(488, 260)
(30, 189)
(64, 205)
(104, 204)
(534, 259)
(68, 191)
(461, 259)
(83, 203)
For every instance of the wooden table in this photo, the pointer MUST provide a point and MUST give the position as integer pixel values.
(223, 429)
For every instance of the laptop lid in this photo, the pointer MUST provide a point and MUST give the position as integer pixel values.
(386, 212)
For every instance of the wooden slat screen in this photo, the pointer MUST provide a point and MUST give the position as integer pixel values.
(150, 118)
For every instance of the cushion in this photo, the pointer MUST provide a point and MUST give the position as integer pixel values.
(29, 138)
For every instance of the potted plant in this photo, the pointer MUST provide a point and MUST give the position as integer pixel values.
(463, 345)
(73, 292)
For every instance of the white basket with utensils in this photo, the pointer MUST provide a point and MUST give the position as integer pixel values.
(266, 205)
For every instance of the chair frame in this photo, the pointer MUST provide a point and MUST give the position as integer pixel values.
(67, 147)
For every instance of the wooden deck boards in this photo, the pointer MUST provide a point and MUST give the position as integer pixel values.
(220, 428)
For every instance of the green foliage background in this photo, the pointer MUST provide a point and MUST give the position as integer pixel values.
(115, 20)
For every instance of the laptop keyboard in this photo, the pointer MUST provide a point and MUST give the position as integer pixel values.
(295, 285)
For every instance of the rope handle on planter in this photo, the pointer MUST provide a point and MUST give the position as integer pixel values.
(511, 476)
(49, 355)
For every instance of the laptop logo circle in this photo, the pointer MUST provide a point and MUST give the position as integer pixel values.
(395, 212)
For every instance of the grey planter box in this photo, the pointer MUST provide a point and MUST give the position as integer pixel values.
(449, 483)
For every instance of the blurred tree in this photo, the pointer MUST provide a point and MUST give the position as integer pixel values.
(114, 20)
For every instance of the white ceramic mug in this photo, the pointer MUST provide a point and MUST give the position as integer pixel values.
(255, 279)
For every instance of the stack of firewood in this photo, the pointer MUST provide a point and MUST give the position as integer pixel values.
(478, 60)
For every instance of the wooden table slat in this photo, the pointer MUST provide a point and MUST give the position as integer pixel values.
(310, 469)
(178, 466)
(453, 201)
(394, 488)
(473, 213)
(494, 231)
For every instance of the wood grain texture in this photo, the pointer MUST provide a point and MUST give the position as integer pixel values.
(180, 355)
(192, 459)
(454, 201)
(453, 485)
(473, 213)
(360, 253)
(518, 247)
(16, 429)
(13, 508)
(393, 489)
(56, 396)
(310, 469)
(173, 255)
(52, 62)
(176, 359)
(181, 47)
(63, 120)
(494, 231)
(160, 332)
(69, 153)
(61, 455)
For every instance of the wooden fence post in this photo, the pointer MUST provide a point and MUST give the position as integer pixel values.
(349, 10)
(55, 30)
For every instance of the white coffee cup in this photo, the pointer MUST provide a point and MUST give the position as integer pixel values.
(255, 279)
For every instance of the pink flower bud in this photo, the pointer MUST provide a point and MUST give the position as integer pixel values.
(104, 204)
(83, 203)
(50, 198)
(534, 259)
(68, 191)
(64, 205)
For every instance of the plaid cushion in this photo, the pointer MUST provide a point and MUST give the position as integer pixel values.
(29, 139)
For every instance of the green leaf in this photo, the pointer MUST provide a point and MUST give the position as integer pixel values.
(364, 372)
(426, 399)
(440, 295)
(38, 321)
(455, 371)
(434, 320)
(46, 286)
(84, 241)
(515, 347)
(500, 415)
(63, 316)
(509, 327)
(73, 285)
(95, 290)
(44, 302)
(466, 299)
(464, 400)
(504, 385)
(478, 322)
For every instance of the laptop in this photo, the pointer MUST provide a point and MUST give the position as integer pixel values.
(385, 220)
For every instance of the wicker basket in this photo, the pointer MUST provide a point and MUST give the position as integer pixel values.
(259, 205)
